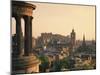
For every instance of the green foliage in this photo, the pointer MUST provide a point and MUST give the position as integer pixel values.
(87, 67)
(44, 63)
(57, 65)
(65, 63)
(43, 58)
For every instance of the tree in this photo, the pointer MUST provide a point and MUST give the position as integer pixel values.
(44, 63)
(68, 63)
(57, 65)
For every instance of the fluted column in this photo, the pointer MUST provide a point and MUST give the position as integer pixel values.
(28, 35)
(18, 35)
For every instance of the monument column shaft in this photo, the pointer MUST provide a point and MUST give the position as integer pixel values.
(31, 33)
(28, 36)
(18, 35)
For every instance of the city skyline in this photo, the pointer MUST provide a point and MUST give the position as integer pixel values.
(59, 46)
(61, 19)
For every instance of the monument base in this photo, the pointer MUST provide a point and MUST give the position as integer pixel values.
(25, 64)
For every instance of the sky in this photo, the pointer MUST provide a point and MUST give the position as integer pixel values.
(61, 19)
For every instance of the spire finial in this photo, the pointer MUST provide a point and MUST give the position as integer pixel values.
(73, 29)
(83, 37)
(84, 43)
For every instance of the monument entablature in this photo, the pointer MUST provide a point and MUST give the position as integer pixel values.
(22, 8)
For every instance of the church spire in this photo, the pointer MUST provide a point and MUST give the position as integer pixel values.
(84, 37)
(73, 30)
(84, 42)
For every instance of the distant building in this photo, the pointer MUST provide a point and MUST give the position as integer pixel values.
(54, 40)
(73, 38)
(84, 42)
(33, 42)
(72, 42)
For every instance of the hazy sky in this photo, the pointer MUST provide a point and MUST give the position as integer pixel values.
(61, 19)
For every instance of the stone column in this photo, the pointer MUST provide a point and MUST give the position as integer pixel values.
(28, 35)
(31, 34)
(18, 35)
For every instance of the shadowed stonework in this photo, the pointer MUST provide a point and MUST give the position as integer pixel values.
(23, 59)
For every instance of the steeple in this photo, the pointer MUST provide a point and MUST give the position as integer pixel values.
(73, 30)
(84, 37)
(84, 42)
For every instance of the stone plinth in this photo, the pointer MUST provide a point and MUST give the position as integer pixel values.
(26, 64)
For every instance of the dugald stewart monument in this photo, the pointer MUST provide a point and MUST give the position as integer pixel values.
(23, 58)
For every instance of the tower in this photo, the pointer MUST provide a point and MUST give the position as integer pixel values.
(72, 42)
(84, 42)
(73, 38)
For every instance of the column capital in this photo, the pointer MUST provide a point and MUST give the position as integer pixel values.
(17, 16)
(28, 17)
(31, 17)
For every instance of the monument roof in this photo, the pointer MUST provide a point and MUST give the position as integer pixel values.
(21, 3)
